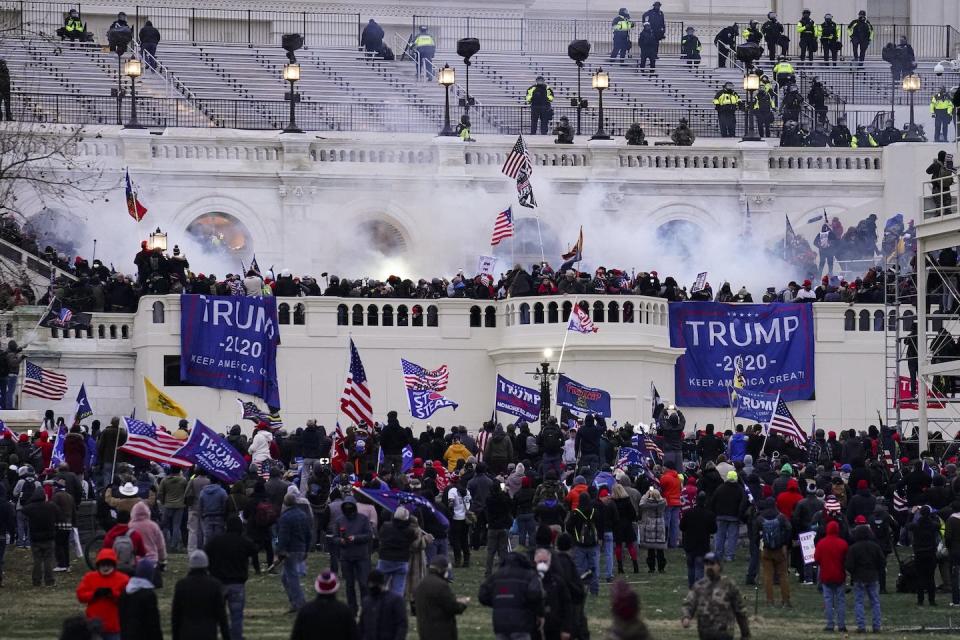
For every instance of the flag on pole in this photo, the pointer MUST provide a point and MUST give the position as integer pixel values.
(656, 404)
(416, 377)
(580, 321)
(783, 423)
(391, 499)
(152, 443)
(789, 239)
(58, 316)
(519, 167)
(576, 251)
(58, 456)
(254, 266)
(502, 227)
(250, 411)
(628, 456)
(134, 206)
(44, 383)
(355, 401)
(160, 402)
(84, 410)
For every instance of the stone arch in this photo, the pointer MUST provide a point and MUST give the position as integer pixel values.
(261, 228)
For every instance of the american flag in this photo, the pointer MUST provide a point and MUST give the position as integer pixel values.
(502, 227)
(629, 456)
(518, 160)
(888, 461)
(44, 383)
(786, 425)
(418, 378)
(580, 321)
(152, 443)
(250, 411)
(899, 502)
(355, 402)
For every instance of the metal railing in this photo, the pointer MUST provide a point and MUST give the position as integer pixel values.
(195, 25)
(929, 41)
(532, 35)
(874, 87)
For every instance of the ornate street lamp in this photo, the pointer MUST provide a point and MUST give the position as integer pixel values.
(158, 240)
(446, 77)
(751, 83)
(133, 69)
(291, 73)
(544, 374)
(600, 81)
(911, 84)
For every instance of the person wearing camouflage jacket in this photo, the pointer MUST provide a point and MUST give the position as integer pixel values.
(716, 603)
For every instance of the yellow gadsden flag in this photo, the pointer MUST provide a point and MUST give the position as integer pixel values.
(160, 402)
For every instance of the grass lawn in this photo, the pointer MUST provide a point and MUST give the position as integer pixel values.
(36, 613)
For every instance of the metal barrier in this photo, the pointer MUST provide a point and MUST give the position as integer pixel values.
(44, 18)
(929, 41)
(531, 35)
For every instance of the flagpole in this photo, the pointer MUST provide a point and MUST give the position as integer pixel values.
(766, 437)
(540, 238)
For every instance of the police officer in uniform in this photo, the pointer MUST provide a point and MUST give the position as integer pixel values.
(941, 108)
(764, 106)
(540, 99)
(773, 35)
(690, 47)
(830, 38)
(792, 103)
(807, 29)
(726, 102)
(840, 134)
(621, 35)
(860, 32)
(783, 73)
(658, 22)
(73, 28)
(726, 42)
(426, 48)
(752, 33)
(647, 40)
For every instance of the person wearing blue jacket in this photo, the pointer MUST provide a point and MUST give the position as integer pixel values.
(737, 446)
(293, 541)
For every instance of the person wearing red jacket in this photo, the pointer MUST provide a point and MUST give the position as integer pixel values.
(670, 486)
(123, 528)
(830, 554)
(100, 590)
(787, 500)
(46, 448)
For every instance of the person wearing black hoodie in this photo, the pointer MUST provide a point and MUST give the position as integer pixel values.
(499, 519)
(139, 612)
(515, 595)
(393, 439)
(926, 536)
(588, 443)
(383, 614)
(863, 561)
(697, 525)
(197, 610)
(43, 517)
(862, 503)
(230, 554)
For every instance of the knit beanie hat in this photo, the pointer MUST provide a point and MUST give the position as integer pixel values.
(326, 583)
(198, 560)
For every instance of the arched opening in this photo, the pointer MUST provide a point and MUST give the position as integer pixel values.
(613, 312)
(433, 316)
(417, 315)
(598, 311)
(849, 320)
(300, 314)
(342, 315)
(403, 317)
(524, 313)
(538, 313)
(113, 332)
(475, 316)
(158, 312)
(680, 238)
(283, 313)
(357, 315)
(124, 331)
(387, 315)
(567, 308)
(864, 324)
(222, 233)
(628, 312)
(373, 316)
(553, 313)
(490, 317)
(382, 237)
(878, 320)
(101, 331)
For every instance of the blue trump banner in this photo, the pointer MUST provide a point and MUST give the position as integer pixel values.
(581, 399)
(755, 405)
(424, 403)
(518, 400)
(230, 342)
(775, 342)
(213, 453)
(390, 499)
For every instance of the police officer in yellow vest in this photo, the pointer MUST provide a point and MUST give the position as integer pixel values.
(752, 33)
(540, 99)
(426, 48)
(621, 34)
(830, 36)
(941, 108)
(807, 29)
(726, 102)
(783, 73)
(73, 28)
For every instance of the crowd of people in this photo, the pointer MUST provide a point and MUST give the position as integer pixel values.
(551, 514)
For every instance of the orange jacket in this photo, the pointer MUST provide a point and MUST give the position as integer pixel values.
(103, 608)
(670, 487)
(573, 497)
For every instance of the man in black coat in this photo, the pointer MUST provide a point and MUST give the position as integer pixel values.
(696, 525)
(372, 37)
(384, 615)
(557, 600)
(149, 39)
(325, 613)
(515, 594)
(229, 555)
(709, 446)
(499, 510)
(435, 603)
(197, 610)
(393, 439)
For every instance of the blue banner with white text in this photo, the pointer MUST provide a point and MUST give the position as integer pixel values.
(211, 452)
(230, 342)
(775, 343)
(755, 405)
(424, 403)
(581, 399)
(518, 400)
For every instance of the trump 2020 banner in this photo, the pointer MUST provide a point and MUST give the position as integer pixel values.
(230, 342)
(213, 453)
(581, 399)
(518, 400)
(755, 405)
(774, 340)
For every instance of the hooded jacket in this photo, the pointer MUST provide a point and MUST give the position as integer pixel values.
(864, 557)
(831, 555)
(150, 533)
(103, 607)
(515, 594)
(787, 500)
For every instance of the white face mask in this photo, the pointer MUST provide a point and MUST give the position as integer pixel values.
(543, 567)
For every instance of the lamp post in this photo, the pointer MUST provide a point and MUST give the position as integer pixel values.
(544, 374)
(600, 81)
(446, 77)
(751, 83)
(911, 84)
(158, 240)
(133, 69)
(291, 73)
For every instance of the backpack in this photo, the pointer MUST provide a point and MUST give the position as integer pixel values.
(126, 556)
(26, 491)
(532, 448)
(772, 533)
(547, 492)
(552, 441)
(588, 534)
(265, 514)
